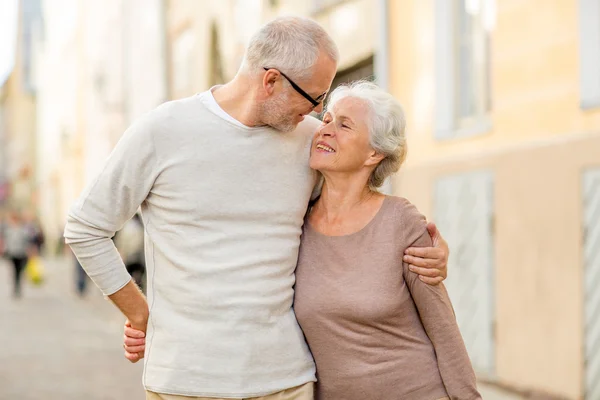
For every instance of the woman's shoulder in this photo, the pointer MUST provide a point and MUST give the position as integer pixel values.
(404, 210)
(407, 217)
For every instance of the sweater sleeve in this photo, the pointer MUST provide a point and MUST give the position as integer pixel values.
(438, 318)
(108, 202)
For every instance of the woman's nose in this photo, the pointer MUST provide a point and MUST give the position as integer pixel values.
(328, 130)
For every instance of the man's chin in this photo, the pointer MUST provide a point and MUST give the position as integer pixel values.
(285, 127)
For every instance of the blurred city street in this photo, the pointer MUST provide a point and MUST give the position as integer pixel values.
(55, 345)
(501, 103)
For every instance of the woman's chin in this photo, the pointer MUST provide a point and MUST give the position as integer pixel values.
(315, 164)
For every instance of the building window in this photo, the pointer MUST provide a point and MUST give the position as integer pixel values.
(472, 49)
(591, 280)
(463, 98)
(589, 53)
(31, 33)
(247, 17)
(182, 55)
(215, 59)
(361, 70)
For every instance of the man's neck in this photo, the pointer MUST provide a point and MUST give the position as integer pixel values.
(238, 99)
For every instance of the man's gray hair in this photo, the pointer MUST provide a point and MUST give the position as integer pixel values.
(291, 44)
(386, 122)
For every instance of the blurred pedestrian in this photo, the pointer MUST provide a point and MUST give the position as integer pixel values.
(130, 243)
(80, 278)
(35, 234)
(17, 245)
(2, 229)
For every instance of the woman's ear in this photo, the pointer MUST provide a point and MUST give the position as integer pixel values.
(374, 159)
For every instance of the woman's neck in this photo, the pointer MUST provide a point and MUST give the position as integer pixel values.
(342, 195)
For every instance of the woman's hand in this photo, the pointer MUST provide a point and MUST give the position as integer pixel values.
(430, 263)
(134, 342)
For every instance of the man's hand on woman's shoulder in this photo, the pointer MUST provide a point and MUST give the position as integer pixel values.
(430, 263)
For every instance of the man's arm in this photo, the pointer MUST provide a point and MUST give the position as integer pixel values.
(104, 207)
(132, 304)
(430, 263)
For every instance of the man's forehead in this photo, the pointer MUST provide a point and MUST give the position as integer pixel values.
(317, 90)
(322, 77)
(318, 83)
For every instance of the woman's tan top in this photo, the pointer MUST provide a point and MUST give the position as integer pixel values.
(375, 330)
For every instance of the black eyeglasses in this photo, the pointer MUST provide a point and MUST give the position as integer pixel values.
(314, 102)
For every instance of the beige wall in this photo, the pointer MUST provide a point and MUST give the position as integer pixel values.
(535, 76)
(537, 255)
(537, 149)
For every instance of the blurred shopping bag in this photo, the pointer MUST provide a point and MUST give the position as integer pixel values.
(35, 270)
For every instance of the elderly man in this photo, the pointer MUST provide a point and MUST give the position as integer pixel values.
(223, 181)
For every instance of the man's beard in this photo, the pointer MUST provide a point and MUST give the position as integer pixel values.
(273, 114)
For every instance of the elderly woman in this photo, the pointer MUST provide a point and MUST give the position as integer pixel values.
(376, 331)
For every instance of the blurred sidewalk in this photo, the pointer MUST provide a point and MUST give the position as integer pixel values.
(489, 392)
(55, 345)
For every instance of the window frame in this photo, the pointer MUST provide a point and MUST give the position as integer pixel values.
(589, 54)
(449, 124)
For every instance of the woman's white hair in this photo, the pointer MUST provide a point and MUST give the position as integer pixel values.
(291, 44)
(386, 122)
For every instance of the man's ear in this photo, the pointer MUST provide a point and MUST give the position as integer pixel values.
(269, 79)
(374, 159)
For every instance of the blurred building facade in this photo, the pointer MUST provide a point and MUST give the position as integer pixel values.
(93, 57)
(503, 110)
(503, 106)
(83, 72)
(206, 41)
(17, 122)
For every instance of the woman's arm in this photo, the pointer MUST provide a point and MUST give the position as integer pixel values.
(439, 321)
